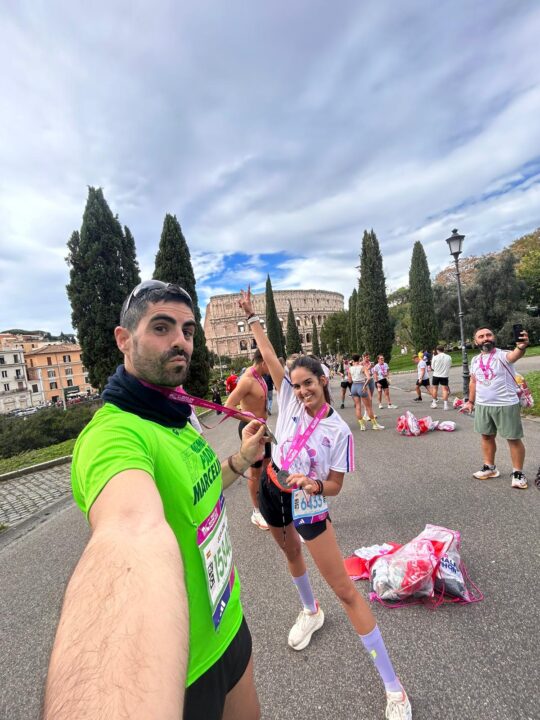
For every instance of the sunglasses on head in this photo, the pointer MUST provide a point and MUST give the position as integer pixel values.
(148, 286)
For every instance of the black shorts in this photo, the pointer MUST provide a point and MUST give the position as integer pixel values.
(205, 698)
(275, 507)
(345, 384)
(425, 383)
(383, 383)
(440, 381)
(267, 446)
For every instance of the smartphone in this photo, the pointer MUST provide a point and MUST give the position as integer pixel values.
(517, 329)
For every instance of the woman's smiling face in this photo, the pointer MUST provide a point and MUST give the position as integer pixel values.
(308, 388)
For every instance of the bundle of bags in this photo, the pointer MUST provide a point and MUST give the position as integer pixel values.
(428, 568)
(409, 425)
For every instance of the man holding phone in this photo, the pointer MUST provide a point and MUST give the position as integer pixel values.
(493, 392)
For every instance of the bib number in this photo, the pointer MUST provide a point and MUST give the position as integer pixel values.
(215, 547)
(308, 509)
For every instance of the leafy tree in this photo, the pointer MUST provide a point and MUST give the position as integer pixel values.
(372, 307)
(293, 336)
(505, 336)
(101, 276)
(353, 321)
(273, 325)
(528, 270)
(496, 293)
(399, 296)
(400, 316)
(315, 340)
(423, 321)
(335, 332)
(324, 348)
(173, 264)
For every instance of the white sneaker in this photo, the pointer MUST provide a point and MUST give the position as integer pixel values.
(258, 520)
(433, 404)
(446, 406)
(486, 472)
(304, 627)
(380, 406)
(398, 706)
(366, 417)
(519, 480)
(392, 407)
(375, 425)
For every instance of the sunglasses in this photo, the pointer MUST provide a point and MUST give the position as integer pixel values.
(148, 286)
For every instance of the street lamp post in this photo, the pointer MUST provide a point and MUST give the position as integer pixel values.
(455, 243)
(337, 343)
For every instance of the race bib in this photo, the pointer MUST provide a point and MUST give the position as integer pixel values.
(216, 552)
(308, 509)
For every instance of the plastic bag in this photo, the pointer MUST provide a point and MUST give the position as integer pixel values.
(458, 404)
(427, 424)
(358, 565)
(407, 424)
(523, 392)
(447, 425)
(407, 573)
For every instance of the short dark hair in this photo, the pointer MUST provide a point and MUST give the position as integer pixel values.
(315, 367)
(483, 327)
(258, 357)
(148, 293)
(356, 357)
(440, 348)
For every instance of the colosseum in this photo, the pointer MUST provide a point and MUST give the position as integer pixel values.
(228, 334)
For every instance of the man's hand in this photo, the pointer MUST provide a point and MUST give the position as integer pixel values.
(253, 440)
(524, 341)
(245, 301)
(468, 407)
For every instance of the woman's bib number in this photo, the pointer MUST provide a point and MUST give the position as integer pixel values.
(308, 509)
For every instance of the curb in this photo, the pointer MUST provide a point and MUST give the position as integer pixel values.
(35, 468)
(15, 532)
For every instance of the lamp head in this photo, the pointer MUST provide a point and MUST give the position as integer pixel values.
(455, 243)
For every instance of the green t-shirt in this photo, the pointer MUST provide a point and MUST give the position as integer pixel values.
(187, 474)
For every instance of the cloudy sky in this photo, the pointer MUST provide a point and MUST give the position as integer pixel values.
(275, 131)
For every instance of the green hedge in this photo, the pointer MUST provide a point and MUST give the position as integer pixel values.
(46, 427)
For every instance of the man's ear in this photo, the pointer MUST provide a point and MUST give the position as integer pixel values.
(123, 338)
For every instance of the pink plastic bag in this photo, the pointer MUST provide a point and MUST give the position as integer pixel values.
(407, 424)
(447, 425)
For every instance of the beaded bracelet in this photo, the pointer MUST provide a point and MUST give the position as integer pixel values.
(235, 471)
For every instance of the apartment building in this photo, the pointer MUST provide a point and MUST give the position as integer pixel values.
(57, 371)
(14, 391)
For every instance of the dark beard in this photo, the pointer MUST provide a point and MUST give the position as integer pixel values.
(487, 346)
(157, 371)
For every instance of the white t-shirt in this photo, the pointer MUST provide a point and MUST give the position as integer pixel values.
(441, 364)
(494, 385)
(422, 365)
(330, 447)
(381, 370)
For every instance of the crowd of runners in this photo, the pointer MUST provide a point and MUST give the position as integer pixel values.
(157, 629)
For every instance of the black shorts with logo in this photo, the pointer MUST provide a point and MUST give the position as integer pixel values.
(267, 446)
(275, 507)
(205, 698)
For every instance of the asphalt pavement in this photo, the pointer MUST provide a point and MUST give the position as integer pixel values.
(475, 662)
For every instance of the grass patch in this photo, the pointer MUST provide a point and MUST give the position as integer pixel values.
(34, 457)
(533, 381)
(2, 527)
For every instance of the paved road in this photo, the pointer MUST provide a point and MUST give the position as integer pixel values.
(468, 663)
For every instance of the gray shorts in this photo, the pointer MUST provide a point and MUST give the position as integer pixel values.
(360, 389)
(504, 420)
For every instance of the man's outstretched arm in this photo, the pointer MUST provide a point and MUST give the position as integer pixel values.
(121, 646)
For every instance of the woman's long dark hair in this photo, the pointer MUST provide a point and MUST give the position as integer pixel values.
(315, 367)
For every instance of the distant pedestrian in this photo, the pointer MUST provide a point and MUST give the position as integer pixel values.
(381, 375)
(270, 385)
(216, 397)
(423, 377)
(345, 383)
(230, 382)
(441, 364)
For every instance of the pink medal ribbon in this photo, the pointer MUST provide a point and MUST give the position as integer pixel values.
(181, 396)
(299, 441)
(487, 370)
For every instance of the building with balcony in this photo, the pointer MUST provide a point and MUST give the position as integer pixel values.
(56, 370)
(14, 391)
(227, 332)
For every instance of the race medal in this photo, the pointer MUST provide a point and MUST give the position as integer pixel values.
(308, 509)
(216, 552)
(282, 476)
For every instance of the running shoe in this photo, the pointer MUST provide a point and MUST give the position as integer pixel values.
(380, 406)
(304, 627)
(258, 520)
(519, 480)
(362, 424)
(486, 473)
(341, 407)
(433, 404)
(417, 399)
(398, 706)
(392, 407)
(366, 416)
(375, 425)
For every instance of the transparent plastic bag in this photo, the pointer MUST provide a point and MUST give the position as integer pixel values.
(407, 573)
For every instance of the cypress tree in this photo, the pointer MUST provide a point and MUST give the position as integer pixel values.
(353, 322)
(173, 264)
(372, 305)
(315, 340)
(129, 260)
(424, 329)
(101, 276)
(273, 326)
(293, 336)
